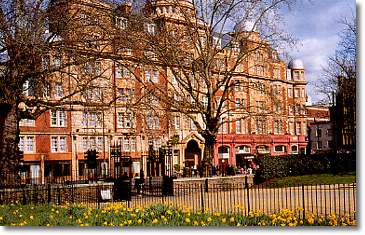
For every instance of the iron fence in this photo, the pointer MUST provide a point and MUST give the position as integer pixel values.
(220, 197)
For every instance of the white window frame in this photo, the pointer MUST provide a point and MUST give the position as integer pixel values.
(148, 120)
(291, 130)
(27, 122)
(91, 119)
(59, 91)
(303, 92)
(217, 42)
(238, 104)
(60, 118)
(298, 128)
(147, 75)
(296, 93)
(27, 143)
(151, 28)
(121, 22)
(57, 147)
(276, 73)
(125, 120)
(205, 101)
(99, 143)
(243, 149)
(85, 143)
(278, 127)
(26, 88)
(280, 151)
(238, 126)
(57, 61)
(156, 122)
(260, 126)
(177, 122)
(155, 76)
(119, 71)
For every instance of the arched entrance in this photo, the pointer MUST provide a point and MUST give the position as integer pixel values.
(192, 154)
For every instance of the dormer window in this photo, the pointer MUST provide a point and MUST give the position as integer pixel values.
(121, 22)
(235, 46)
(151, 29)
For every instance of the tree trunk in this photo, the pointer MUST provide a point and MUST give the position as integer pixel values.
(9, 139)
(208, 160)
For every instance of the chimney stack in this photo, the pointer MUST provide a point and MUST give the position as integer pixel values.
(125, 8)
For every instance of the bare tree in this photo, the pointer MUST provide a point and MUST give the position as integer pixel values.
(49, 59)
(342, 65)
(339, 81)
(207, 51)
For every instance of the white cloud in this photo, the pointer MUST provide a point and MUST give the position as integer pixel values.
(316, 26)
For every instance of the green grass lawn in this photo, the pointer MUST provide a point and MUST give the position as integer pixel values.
(316, 179)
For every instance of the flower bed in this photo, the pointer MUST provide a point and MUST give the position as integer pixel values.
(157, 215)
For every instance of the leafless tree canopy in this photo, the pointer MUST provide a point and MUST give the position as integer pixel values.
(201, 52)
(204, 50)
(340, 73)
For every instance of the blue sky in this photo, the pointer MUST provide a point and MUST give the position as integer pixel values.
(315, 24)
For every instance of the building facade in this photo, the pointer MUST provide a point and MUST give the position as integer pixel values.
(54, 145)
(321, 135)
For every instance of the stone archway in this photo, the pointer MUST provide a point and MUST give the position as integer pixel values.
(192, 154)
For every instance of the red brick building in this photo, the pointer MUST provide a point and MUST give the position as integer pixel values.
(55, 144)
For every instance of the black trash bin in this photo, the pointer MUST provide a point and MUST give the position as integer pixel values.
(168, 186)
(122, 189)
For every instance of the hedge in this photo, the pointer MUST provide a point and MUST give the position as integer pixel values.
(293, 165)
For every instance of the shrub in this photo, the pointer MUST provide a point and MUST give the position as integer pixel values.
(293, 165)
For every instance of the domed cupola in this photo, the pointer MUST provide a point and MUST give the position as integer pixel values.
(296, 64)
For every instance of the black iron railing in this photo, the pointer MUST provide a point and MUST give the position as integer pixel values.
(227, 197)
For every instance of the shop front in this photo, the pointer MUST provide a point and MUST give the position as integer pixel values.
(245, 159)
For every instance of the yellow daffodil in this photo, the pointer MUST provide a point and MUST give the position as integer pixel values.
(155, 221)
